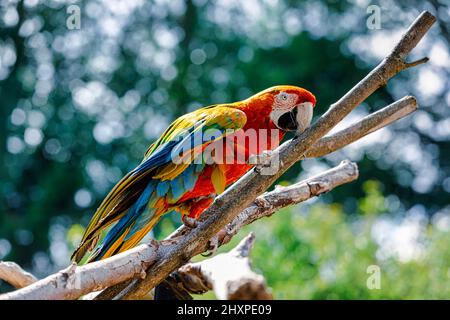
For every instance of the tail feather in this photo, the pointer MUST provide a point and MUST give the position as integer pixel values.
(125, 242)
(130, 229)
(115, 206)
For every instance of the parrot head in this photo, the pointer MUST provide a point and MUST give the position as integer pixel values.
(291, 107)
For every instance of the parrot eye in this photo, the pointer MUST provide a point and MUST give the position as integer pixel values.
(282, 96)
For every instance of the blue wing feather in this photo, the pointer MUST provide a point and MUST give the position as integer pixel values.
(176, 186)
(190, 177)
(162, 188)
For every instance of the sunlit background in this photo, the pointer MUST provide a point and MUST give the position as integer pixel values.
(78, 109)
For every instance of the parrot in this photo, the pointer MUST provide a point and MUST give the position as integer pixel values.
(177, 174)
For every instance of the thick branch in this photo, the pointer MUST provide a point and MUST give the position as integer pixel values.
(363, 127)
(74, 281)
(15, 275)
(229, 274)
(245, 190)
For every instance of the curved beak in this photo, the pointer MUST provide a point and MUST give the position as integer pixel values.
(297, 119)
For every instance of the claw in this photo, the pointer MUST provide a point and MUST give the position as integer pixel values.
(189, 222)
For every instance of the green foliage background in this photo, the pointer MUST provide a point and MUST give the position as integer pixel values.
(78, 109)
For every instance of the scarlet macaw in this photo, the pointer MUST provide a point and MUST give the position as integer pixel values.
(159, 184)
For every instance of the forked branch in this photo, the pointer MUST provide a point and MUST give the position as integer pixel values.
(150, 264)
(235, 199)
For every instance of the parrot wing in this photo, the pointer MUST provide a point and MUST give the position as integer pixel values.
(184, 138)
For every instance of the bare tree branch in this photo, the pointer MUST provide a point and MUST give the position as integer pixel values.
(15, 275)
(77, 281)
(163, 258)
(363, 127)
(281, 197)
(229, 274)
(245, 190)
(263, 206)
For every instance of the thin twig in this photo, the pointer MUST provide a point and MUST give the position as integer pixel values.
(416, 63)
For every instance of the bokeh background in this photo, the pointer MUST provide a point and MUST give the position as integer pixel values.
(78, 109)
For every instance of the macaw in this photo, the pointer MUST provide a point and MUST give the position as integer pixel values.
(176, 176)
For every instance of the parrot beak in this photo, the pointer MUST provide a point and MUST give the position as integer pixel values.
(297, 119)
(304, 116)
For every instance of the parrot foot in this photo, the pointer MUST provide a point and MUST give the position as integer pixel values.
(189, 222)
(213, 244)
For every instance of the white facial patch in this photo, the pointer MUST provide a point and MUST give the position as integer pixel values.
(283, 102)
(276, 114)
